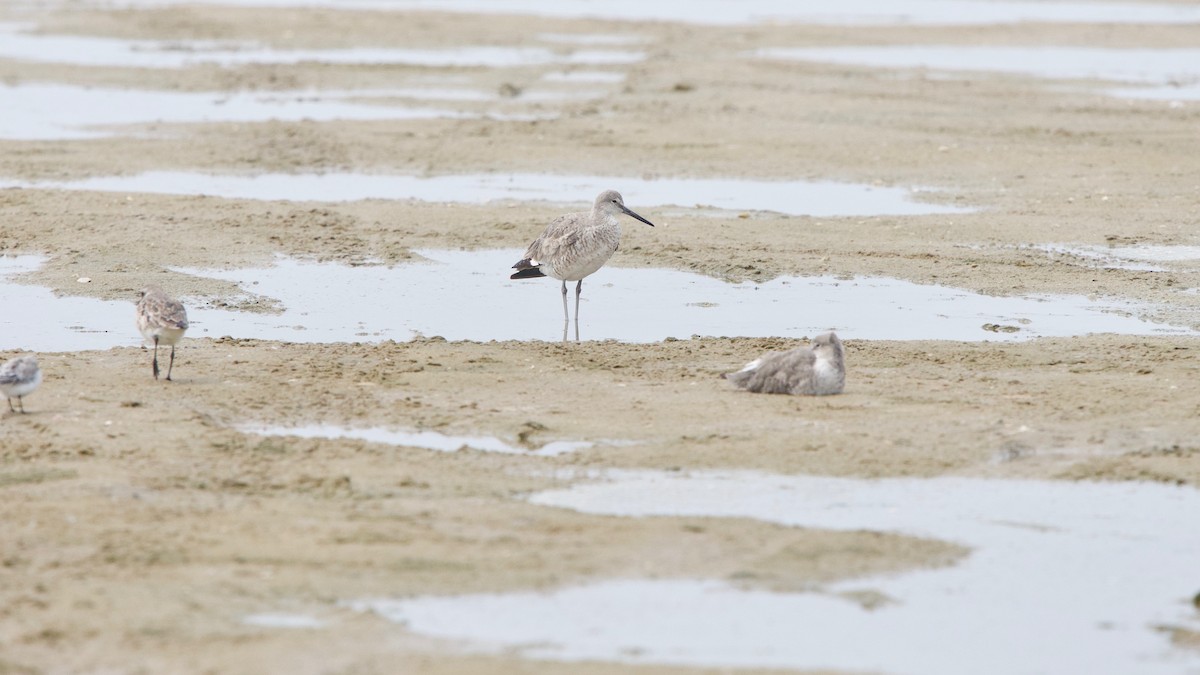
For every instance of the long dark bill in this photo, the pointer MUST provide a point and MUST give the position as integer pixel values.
(634, 215)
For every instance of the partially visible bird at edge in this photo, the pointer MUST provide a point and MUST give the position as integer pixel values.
(816, 370)
(576, 245)
(18, 378)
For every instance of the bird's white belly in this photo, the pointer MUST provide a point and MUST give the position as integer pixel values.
(166, 336)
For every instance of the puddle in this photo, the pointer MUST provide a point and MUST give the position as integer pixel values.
(530, 95)
(1174, 94)
(283, 621)
(1148, 66)
(1062, 578)
(19, 44)
(430, 440)
(59, 324)
(1155, 253)
(60, 111)
(1138, 258)
(815, 198)
(722, 12)
(328, 302)
(53, 111)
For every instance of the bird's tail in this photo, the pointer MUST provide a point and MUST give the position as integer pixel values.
(525, 270)
(739, 379)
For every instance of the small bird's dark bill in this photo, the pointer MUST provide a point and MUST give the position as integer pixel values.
(634, 215)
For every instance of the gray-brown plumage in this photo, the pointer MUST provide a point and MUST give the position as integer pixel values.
(161, 319)
(576, 245)
(19, 377)
(817, 370)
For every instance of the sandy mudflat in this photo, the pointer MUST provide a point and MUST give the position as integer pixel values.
(141, 525)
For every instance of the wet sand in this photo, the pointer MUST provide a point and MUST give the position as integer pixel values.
(143, 526)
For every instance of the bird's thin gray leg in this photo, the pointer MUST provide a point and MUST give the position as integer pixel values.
(154, 363)
(578, 291)
(10, 404)
(566, 317)
(172, 364)
(20, 402)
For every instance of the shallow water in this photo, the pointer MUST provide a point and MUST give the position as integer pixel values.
(430, 440)
(59, 111)
(1143, 258)
(1148, 66)
(280, 620)
(48, 323)
(329, 302)
(17, 42)
(1062, 578)
(935, 12)
(1174, 94)
(1150, 253)
(815, 198)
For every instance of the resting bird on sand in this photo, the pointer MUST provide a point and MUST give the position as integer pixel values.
(19, 377)
(162, 320)
(817, 370)
(576, 245)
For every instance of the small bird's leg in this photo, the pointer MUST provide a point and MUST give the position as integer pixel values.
(578, 291)
(9, 399)
(172, 364)
(154, 363)
(20, 402)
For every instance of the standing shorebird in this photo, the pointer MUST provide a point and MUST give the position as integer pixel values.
(161, 319)
(816, 370)
(576, 245)
(19, 377)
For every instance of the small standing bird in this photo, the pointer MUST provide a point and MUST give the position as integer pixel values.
(816, 370)
(161, 319)
(576, 245)
(19, 377)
